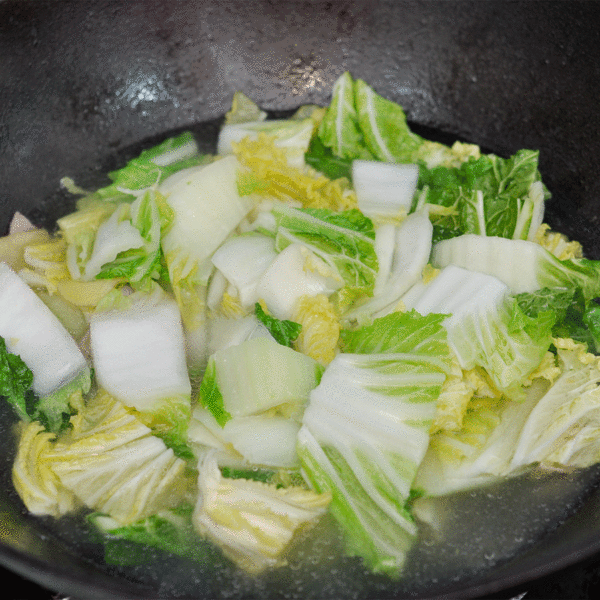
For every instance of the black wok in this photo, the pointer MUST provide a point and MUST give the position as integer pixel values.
(85, 85)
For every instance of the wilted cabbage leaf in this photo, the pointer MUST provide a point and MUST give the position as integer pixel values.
(113, 463)
(253, 522)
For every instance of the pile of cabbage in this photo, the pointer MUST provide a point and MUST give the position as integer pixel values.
(330, 314)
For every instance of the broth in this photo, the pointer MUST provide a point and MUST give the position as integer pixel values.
(464, 536)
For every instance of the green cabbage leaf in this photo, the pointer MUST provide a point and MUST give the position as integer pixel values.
(361, 124)
(343, 241)
(486, 326)
(169, 530)
(557, 425)
(147, 170)
(488, 196)
(366, 430)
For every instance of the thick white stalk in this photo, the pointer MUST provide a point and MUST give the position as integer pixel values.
(34, 333)
(139, 353)
(383, 189)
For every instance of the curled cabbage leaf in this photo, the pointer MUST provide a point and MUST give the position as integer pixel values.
(252, 522)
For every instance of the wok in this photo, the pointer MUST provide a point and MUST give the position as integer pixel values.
(86, 85)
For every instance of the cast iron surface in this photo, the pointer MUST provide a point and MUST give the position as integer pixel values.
(83, 83)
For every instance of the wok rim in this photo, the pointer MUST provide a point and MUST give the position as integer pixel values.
(22, 562)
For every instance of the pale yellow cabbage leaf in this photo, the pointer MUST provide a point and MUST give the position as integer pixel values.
(320, 331)
(36, 483)
(252, 522)
(278, 179)
(558, 243)
(113, 463)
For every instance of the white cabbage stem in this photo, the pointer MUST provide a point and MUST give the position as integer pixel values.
(33, 332)
(139, 353)
(383, 189)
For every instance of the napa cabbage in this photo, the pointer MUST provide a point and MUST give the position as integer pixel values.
(465, 191)
(283, 332)
(361, 124)
(296, 272)
(291, 135)
(262, 440)
(45, 264)
(275, 178)
(126, 243)
(384, 191)
(206, 209)
(403, 253)
(558, 243)
(366, 430)
(169, 530)
(41, 363)
(36, 483)
(255, 376)
(243, 110)
(231, 331)
(12, 246)
(133, 477)
(79, 230)
(458, 389)
(149, 168)
(486, 326)
(252, 522)
(525, 266)
(138, 352)
(242, 260)
(489, 196)
(246, 119)
(322, 347)
(319, 328)
(575, 317)
(555, 426)
(342, 242)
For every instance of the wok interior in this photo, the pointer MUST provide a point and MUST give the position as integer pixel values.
(85, 86)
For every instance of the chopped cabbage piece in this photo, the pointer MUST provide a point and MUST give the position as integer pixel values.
(291, 135)
(287, 279)
(366, 430)
(486, 327)
(36, 483)
(525, 266)
(253, 522)
(409, 247)
(556, 426)
(139, 358)
(207, 208)
(320, 328)
(255, 376)
(280, 180)
(343, 244)
(12, 246)
(134, 476)
(170, 530)
(267, 440)
(384, 191)
(34, 333)
(243, 260)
